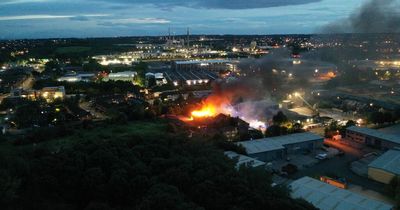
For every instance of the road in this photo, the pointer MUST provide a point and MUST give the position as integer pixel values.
(357, 153)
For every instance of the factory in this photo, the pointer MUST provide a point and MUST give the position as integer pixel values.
(371, 137)
(190, 78)
(158, 78)
(196, 65)
(326, 197)
(80, 77)
(276, 148)
(385, 167)
(127, 76)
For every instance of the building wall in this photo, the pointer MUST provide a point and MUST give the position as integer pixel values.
(380, 175)
(370, 141)
(268, 156)
(290, 149)
(355, 137)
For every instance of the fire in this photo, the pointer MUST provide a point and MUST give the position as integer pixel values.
(207, 110)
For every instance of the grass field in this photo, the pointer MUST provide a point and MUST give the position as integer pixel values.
(70, 50)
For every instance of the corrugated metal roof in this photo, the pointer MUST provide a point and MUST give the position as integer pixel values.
(389, 161)
(375, 133)
(243, 159)
(277, 143)
(201, 61)
(328, 197)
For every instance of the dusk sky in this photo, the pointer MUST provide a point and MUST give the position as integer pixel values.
(99, 18)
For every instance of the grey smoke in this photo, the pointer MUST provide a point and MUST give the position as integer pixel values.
(376, 16)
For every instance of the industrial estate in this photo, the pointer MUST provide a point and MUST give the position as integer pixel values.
(192, 121)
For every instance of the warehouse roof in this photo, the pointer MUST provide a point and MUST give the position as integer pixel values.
(376, 134)
(277, 143)
(201, 61)
(328, 197)
(389, 161)
(244, 160)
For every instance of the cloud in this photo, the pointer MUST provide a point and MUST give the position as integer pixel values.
(217, 4)
(36, 17)
(134, 21)
(10, 2)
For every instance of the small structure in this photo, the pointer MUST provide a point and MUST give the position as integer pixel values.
(53, 93)
(386, 167)
(327, 197)
(279, 147)
(244, 160)
(372, 137)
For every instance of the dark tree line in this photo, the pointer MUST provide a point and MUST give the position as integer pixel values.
(135, 172)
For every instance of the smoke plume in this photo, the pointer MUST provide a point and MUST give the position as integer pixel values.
(376, 16)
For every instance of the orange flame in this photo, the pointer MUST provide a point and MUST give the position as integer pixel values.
(207, 110)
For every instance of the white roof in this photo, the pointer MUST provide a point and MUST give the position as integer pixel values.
(390, 162)
(376, 134)
(123, 74)
(277, 143)
(201, 61)
(328, 197)
(243, 159)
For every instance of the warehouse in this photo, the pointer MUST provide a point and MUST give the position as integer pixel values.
(190, 78)
(371, 137)
(328, 197)
(122, 76)
(210, 65)
(268, 149)
(386, 167)
(244, 160)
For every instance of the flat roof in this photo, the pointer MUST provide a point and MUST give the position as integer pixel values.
(201, 61)
(375, 133)
(244, 160)
(277, 143)
(389, 161)
(327, 197)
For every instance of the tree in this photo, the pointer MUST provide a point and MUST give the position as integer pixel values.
(280, 118)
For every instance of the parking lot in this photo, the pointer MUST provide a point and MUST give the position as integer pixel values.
(340, 166)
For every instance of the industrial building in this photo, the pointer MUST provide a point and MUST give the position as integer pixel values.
(210, 65)
(327, 197)
(81, 77)
(244, 160)
(268, 149)
(53, 93)
(123, 76)
(190, 78)
(372, 137)
(386, 167)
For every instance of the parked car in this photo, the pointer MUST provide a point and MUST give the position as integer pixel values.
(322, 156)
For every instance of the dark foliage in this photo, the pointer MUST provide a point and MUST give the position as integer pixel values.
(135, 172)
